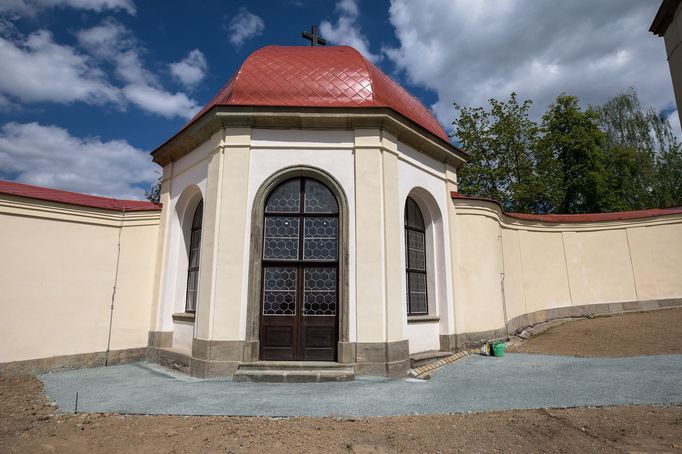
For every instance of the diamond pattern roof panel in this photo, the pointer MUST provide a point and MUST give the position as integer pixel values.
(334, 76)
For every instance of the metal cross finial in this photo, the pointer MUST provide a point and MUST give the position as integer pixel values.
(313, 37)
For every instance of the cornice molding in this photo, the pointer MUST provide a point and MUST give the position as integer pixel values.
(230, 117)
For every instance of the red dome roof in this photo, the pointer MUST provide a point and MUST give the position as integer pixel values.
(335, 76)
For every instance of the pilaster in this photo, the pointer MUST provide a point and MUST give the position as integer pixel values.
(454, 314)
(232, 234)
(395, 309)
(161, 247)
(209, 243)
(369, 223)
(380, 348)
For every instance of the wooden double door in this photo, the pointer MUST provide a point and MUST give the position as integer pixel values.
(299, 294)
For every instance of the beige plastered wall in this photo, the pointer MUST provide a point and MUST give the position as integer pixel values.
(508, 267)
(57, 274)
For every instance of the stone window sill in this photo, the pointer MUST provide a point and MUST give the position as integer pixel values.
(183, 317)
(422, 319)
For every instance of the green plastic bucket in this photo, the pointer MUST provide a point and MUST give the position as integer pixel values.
(498, 348)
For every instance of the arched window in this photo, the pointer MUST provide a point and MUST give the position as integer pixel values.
(415, 260)
(299, 316)
(193, 259)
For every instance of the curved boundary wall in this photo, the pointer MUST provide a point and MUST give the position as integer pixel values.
(57, 274)
(514, 270)
(60, 252)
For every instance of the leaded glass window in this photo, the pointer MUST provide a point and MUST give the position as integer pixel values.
(279, 291)
(319, 238)
(285, 199)
(281, 238)
(415, 259)
(319, 199)
(319, 285)
(193, 259)
(300, 249)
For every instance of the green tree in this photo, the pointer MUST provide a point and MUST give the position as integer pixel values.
(668, 187)
(154, 192)
(642, 155)
(570, 158)
(499, 143)
(614, 157)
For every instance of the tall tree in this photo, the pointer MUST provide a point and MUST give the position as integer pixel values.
(499, 143)
(570, 158)
(614, 157)
(642, 155)
(668, 186)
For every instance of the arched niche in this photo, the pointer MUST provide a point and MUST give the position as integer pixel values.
(435, 250)
(185, 208)
(256, 251)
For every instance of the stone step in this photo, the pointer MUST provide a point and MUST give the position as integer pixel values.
(294, 365)
(294, 371)
(424, 358)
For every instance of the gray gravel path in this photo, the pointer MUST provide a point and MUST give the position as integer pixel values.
(473, 384)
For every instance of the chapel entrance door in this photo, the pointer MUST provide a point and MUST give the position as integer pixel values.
(299, 298)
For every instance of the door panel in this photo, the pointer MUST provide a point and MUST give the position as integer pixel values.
(318, 338)
(299, 301)
(279, 324)
(277, 339)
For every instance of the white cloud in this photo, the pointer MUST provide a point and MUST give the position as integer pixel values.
(349, 7)
(107, 39)
(161, 102)
(30, 8)
(243, 26)
(468, 52)
(190, 70)
(347, 31)
(113, 42)
(51, 156)
(38, 69)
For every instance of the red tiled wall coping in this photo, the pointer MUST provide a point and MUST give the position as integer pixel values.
(569, 218)
(74, 198)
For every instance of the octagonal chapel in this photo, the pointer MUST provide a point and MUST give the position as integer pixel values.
(312, 194)
(310, 228)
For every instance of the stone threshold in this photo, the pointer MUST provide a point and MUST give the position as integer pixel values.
(293, 372)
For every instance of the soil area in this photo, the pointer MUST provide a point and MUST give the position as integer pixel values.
(28, 423)
(656, 332)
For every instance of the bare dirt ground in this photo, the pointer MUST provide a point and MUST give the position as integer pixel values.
(28, 423)
(634, 334)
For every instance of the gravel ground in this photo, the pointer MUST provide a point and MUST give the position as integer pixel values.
(473, 384)
(29, 423)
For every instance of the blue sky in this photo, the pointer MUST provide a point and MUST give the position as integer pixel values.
(89, 87)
